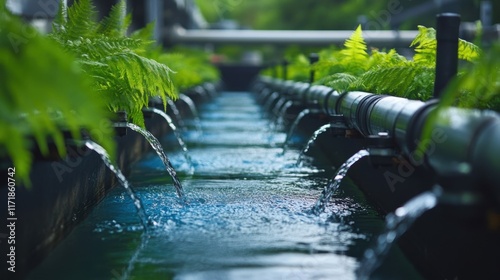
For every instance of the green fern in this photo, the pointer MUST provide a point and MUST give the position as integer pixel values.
(117, 23)
(43, 94)
(115, 62)
(425, 47)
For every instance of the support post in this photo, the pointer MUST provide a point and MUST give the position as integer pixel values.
(447, 50)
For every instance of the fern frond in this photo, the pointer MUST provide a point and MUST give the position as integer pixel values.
(81, 20)
(115, 24)
(425, 47)
(61, 18)
(380, 59)
(340, 81)
(355, 46)
(412, 82)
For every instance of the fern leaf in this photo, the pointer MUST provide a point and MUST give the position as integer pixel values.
(339, 81)
(81, 20)
(412, 81)
(425, 44)
(61, 18)
(115, 24)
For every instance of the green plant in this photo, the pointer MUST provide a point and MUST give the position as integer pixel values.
(43, 93)
(124, 77)
(192, 67)
(354, 68)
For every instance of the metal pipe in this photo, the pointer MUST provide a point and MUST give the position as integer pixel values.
(383, 38)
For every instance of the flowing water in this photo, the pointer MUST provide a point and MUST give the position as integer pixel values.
(155, 144)
(177, 114)
(194, 112)
(177, 136)
(121, 178)
(312, 140)
(246, 216)
(334, 184)
(397, 224)
(294, 126)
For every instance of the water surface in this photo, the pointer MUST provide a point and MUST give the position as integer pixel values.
(247, 214)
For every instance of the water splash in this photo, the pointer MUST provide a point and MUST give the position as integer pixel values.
(181, 142)
(294, 126)
(334, 184)
(189, 102)
(177, 114)
(397, 224)
(123, 181)
(155, 144)
(311, 140)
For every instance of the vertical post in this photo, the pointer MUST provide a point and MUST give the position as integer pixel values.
(486, 13)
(285, 69)
(447, 50)
(313, 58)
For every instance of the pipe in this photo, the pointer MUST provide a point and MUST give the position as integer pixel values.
(380, 38)
(466, 146)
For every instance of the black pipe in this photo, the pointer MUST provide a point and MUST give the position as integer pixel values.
(313, 58)
(447, 50)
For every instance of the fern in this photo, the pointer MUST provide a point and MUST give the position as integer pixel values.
(117, 23)
(425, 47)
(115, 62)
(43, 93)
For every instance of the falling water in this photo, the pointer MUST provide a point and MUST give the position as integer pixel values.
(281, 114)
(177, 135)
(294, 126)
(397, 224)
(311, 141)
(123, 181)
(186, 99)
(177, 114)
(155, 144)
(334, 184)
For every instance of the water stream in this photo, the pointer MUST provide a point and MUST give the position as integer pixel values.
(312, 140)
(155, 144)
(397, 224)
(334, 184)
(247, 214)
(294, 126)
(123, 181)
(178, 136)
(177, 114)
(194, 112)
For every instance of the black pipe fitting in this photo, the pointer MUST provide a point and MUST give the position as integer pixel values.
(382, 149)
(363, 112)
(121, 117)
(338, 126)
(447, 31)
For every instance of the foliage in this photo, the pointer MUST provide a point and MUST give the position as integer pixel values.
(352, 68)
(43, 93)
(192, 67)
(335, 14)
(124, 78)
